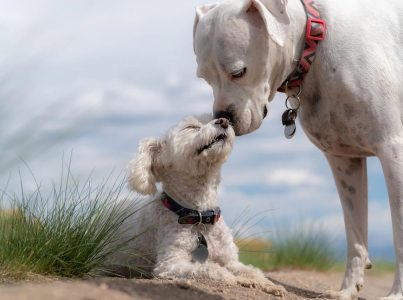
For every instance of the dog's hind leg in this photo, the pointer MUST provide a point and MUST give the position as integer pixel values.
(391, 157)
(350, 175)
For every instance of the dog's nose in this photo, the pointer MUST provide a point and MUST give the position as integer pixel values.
(222, 122)
(223, 114)
(265, 111)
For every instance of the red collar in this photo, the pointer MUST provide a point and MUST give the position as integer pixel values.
(315, 32)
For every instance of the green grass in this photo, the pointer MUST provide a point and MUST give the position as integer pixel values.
(69, 233)
(300, 248)
(256, 252)
(379, 267)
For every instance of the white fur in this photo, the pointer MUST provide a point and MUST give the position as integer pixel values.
(192, 180)
(351, 104)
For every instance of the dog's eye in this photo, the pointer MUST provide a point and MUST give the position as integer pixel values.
(238, 74)
(193, 127)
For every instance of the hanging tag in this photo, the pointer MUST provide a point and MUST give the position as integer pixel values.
(288, 119)
(200, 254)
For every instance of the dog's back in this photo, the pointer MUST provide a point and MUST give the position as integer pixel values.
(136, 255)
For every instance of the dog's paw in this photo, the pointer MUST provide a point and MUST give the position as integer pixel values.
(250, 272)
(265, 286)
(340, 295)
(274, 289)
(393, 296)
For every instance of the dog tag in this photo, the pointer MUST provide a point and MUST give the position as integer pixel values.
(200, 254)
(288, 120)
(289, 131)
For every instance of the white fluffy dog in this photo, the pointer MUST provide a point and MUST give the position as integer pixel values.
(187, 163)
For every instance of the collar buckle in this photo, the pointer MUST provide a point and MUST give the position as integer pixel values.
(214, 217)
(190, 216)
(315, 29)
(196, 217)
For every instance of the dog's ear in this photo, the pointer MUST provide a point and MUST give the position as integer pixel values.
(275, 16)
(141, 174)
(200, 12)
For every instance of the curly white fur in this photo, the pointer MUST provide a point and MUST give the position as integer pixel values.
(192, 179)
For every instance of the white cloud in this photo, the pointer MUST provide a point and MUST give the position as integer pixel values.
(293, 177)
(123, 98)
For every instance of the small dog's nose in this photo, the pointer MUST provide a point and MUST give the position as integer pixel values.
(222, 122)
(223, 114)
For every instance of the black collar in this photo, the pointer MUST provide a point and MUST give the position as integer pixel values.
(190, 216)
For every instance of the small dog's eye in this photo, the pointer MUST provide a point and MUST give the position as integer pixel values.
(192, 127)
(238, 74)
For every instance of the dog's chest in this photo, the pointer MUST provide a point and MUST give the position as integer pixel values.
(337, 128)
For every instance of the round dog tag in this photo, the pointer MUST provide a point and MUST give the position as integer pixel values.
(288, 120)
(200, 254)
(289, 130)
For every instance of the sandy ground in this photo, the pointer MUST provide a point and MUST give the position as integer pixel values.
(299, 285)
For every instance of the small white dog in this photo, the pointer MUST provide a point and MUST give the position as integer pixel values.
(184, 236)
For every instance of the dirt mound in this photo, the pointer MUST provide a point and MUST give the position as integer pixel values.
(299, 284)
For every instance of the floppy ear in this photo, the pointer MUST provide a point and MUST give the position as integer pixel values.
(200, 12)
(275, 17)
(141, 177)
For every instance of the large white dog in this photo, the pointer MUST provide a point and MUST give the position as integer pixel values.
(351, 99)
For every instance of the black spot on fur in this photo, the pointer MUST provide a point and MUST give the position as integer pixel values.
(349, 111)
(313, 100)
(352, 190)
(355, 164)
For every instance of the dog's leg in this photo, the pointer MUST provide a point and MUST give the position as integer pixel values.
(249, 276)
(350, 175)
(181, 267)
(246, 275)
(391, 157)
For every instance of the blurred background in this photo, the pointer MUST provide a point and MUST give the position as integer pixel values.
(93, 77)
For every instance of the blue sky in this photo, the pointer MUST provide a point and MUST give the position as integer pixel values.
(102, 75)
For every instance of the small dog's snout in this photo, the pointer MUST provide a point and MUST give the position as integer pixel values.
(222, 122)
(224, 115)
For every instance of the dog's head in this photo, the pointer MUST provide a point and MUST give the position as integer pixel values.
(191, 149)
(241, 48)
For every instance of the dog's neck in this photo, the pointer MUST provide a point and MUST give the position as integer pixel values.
(296, 39)
(195, 192)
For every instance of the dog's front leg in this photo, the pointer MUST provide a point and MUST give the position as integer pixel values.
(226, 254)
(176, 263)
(350, 175)
(391, 157)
